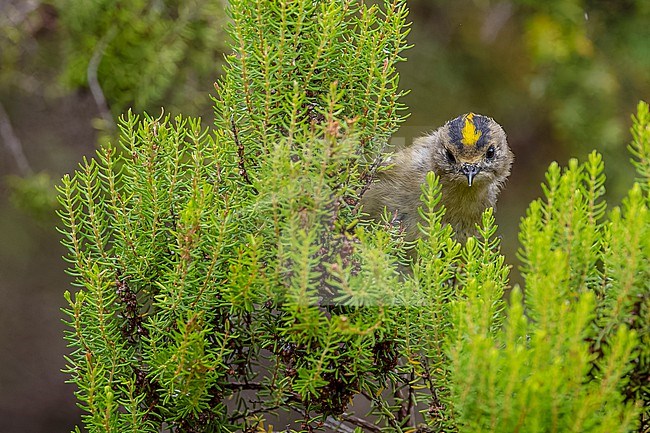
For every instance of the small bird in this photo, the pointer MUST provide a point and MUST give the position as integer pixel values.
(471, 157)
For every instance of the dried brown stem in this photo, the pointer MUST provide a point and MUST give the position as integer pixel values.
(360, 422)
(241, 154)
(93, 82)
(12, 143)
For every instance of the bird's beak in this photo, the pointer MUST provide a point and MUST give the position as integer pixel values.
(470, 171)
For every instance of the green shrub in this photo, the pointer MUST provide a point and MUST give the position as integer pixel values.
(223, 277)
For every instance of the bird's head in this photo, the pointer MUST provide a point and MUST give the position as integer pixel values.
(472, 149)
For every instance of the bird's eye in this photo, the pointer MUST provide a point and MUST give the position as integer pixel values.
(450, 156)
(490, 153)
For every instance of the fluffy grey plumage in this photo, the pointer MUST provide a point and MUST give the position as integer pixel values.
(471, 157)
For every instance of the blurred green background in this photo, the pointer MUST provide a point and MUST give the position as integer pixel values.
(561, 76)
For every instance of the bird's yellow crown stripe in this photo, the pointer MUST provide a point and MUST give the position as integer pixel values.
(470, 134)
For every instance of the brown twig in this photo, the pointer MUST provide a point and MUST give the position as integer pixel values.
(411, 400)
(368, 177)
(250, 413)
(93, 82)
(407, 407)
(244, 385)
(13, 143)
(436, 407)
(403, 413)
(360, 422)
(240, 153)
(390, 417)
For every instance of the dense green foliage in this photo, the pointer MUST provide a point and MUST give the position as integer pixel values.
(573, 359)
(224, 277)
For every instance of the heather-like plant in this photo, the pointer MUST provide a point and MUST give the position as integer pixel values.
(225, 281)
